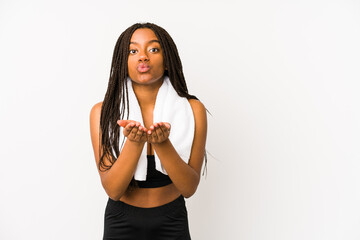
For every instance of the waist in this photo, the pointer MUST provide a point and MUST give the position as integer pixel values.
(147, 212)
(150, 197)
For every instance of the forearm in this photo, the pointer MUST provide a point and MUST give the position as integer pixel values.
(117, 178)
(184, 177)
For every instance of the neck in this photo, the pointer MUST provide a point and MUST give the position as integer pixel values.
(146, 93)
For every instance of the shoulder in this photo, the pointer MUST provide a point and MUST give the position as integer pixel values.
(197, 107)
(199, 111)
(96, 109)
(95, 114)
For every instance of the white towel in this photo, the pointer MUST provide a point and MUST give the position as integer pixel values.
(171, 108)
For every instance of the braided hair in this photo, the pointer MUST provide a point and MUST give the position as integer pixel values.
(114, 103)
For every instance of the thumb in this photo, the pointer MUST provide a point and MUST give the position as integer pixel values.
(123, 123)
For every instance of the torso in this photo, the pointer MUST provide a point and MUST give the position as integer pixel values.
(150, 197)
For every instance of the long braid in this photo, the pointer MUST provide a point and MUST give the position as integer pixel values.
(113, 107)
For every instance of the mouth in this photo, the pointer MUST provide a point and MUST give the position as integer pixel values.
(143, 67)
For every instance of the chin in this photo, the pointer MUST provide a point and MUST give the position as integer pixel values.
(146, 79)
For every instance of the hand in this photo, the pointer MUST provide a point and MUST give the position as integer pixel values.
(133, 130)
(158, 132)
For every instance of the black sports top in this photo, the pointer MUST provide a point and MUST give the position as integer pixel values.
(154, 177)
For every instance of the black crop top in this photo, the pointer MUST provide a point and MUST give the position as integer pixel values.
(154, 177)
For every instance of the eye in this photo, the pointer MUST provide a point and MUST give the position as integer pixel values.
(153, 50)
(132, 51)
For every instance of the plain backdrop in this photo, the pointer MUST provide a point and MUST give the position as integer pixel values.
(280, 78)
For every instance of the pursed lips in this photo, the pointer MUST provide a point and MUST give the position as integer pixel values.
(143, 67)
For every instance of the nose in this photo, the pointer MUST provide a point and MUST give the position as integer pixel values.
(143, 57)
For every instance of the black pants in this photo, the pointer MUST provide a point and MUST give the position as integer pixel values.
(127, 222)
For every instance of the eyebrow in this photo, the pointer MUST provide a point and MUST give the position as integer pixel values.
(151, 41)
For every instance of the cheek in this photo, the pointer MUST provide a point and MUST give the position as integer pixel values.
(161, 63)
(161, 67)
(130, 64)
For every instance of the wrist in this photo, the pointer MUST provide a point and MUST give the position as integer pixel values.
(161, 143)
(136, 143)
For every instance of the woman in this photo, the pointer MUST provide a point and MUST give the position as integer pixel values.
(146, 197)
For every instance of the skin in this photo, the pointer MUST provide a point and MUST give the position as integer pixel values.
(144, 48)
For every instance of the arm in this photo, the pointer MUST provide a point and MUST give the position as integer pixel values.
(185, 177)
(116, 180)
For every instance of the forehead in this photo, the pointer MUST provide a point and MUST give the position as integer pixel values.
(142, 35)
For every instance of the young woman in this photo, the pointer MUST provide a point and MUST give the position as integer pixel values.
(148, 114)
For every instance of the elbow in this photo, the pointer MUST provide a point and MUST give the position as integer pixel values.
(190, 192)
(187, 195)
(113, 192)
(114, 195)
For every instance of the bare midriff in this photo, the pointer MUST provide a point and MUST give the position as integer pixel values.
(151, 197)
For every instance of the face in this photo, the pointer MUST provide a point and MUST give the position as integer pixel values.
(146, 61)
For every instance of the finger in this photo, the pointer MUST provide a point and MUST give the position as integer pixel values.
(165, 130)
(139, 134)
(167, 125)
(128, 129)
(133, 132)
(140, 131)
(143, 136)
(153, 132)
(149, 134)
(159, 132)
(151, 129)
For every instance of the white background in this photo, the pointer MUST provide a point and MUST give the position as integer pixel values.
(280, 78)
